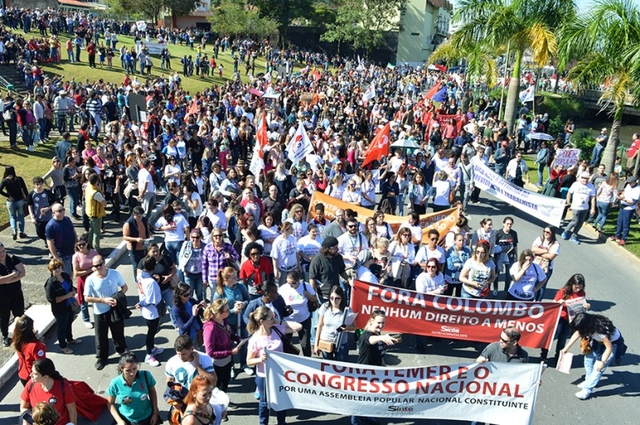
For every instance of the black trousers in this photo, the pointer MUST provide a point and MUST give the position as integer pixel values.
(10, 305)
(104, 324)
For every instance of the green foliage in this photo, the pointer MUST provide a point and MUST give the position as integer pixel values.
(181, 7)
(232, 17)
(148, 8)
(584, 141)
(283, 12)
(556, 125)
(364, 22)
(562, 107)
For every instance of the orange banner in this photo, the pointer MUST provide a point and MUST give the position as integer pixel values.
(481, 320)
(442, 221)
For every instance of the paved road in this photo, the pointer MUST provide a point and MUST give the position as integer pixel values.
(612, 288)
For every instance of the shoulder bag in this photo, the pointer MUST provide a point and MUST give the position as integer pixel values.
(287, 345)
(311, 305)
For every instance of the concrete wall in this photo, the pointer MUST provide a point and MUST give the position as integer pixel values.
(415, 40)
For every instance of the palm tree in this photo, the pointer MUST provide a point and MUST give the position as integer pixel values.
(605, 42)
(479, 60)
(522, 24)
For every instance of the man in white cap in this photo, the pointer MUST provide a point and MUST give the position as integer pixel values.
(601, 142)
(583, 195)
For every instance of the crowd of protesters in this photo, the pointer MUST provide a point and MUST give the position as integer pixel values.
(241, 236)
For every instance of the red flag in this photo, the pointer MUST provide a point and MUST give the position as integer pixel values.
(432, 91)
(379, 146)
(192, 110)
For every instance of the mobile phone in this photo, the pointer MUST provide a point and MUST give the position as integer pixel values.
(342, 328)
(397, 338)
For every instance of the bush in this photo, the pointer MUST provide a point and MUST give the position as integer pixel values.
(561, 107)
(584, 141)
(556, 126)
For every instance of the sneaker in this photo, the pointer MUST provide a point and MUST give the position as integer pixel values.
(6, 341)
(233, 373)
(99, 365)
(74, 341)
(23, 235)
(494, 292)
(249, 371)
(622, 242)
(575, 240)
(613, 238)
(66, 350)
(256, 394)
(88, 325)
(565, 235)
(580, 385)
(583, 394)
(151, 361)
(15, 236)
(157, 350)
(232, 406)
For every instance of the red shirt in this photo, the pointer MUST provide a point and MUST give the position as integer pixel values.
(31, 351)
(259, 273)
(564, 314)
(634, 148)
(33, 394)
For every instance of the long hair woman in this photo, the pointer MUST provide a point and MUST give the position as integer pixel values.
(263, 337)
(478, 272)
(605, 342)
(60, 294)
(220, 341)
(333, 317)
(28, 347)
(46, 384)
(527, 278)
(200, 410)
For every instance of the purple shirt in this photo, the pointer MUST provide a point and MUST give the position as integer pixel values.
(214, 260)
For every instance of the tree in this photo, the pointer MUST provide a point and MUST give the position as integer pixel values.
(233, 17)
(520, 24)
(605, 42)
(283, 12)
(148, 8)
(363, 23)
(480, 62)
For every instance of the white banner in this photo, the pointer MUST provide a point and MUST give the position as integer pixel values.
(542, 207)
(567, 157)
(498, 393)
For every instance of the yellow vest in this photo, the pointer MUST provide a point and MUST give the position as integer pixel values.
(93, 208)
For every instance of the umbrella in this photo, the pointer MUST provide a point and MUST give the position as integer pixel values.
(408, 143)
(540, 136)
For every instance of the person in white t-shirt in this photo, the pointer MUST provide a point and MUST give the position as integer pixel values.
(582, 198)
(628, 201)
(308, 247)
(351, 243)
(432, 250)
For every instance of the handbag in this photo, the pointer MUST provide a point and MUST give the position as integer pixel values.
(326, 346)
(542, 262)
(287, 345)
(162, 308)
(485, 291)
(585, 345)
(311, 305)
(74, 306)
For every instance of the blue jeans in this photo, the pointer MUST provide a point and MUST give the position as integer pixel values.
(540, 294)
(624, 222)
(263, 407)
(401, 197)
(167, 296)
(16, 215)
(134, 258)
(603, 211)
(195, 282)
(173, 250)
(541, 174)
(592, 376)
(596, 154)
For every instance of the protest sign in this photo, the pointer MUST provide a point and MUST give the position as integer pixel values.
(567, 157)
(466, 319)
(542, 207)
(497, 393)
(442, 221)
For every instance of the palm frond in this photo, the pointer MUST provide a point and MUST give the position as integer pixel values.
(446, 51)
(615, 91)
(543, 44)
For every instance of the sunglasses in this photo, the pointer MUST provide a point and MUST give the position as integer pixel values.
(431, 267)
(351, 226)
(98, 265)
(433, 239)
(506, 341)
(217, 236)
(254, 254)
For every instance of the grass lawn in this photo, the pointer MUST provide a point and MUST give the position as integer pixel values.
(82, 72)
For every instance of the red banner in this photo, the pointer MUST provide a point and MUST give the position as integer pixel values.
(481, 320)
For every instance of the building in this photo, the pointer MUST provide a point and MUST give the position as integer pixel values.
(425, 25)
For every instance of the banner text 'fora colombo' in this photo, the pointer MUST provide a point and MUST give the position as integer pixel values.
(482, 320)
